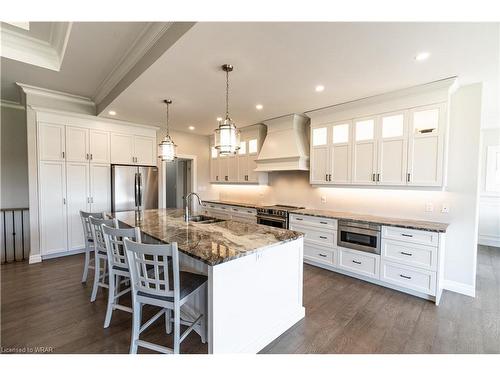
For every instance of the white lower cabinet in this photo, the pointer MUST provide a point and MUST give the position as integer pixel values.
(227, 212)
(409, 277)
(320, 254)
(359, 262)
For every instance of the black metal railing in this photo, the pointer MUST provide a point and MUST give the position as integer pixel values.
(14, 225)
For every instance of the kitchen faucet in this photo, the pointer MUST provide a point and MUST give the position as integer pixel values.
(187, 215)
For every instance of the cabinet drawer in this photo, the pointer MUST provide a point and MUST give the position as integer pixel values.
(320, 254)
(313, 221)
(243, 210)
(412, 278)
(359, 262)
(411, 254)
(411, 235)
(244, 218)
(316, 235)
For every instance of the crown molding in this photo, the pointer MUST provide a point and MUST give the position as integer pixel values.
(11, 104)
(53, 94)
(141, 45)
(45, 54)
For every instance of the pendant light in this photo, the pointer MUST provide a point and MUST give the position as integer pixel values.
(227, 136)
(166, 148)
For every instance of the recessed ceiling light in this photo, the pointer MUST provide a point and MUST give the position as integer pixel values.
(259, 106)
(422, 56)
(320, 88)
(219, 118)
(191, 127)
(112, 113)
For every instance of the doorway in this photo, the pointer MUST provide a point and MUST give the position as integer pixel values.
(178, 182)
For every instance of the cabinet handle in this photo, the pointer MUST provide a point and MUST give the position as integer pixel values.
(405, 277)
(226, 178)
(91, 199)
(373, 177)
(326, 177)
(322, 255)
(63, 155)
(404, 253)
(378, 177)
(322, 237)
(298, 218)
(322, 222)
(88, 199)
(355, 261)
(406, 235)
(408, 178)
(91, 157)
(64, 200)
(216, 178)
(87, 157)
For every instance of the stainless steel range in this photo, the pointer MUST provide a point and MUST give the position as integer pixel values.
(275, 216)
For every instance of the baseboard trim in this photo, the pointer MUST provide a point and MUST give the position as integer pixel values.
(489, 240)
(454, 286)
(36, 258)
(63, 254)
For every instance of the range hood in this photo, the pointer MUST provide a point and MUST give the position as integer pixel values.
(286, 146)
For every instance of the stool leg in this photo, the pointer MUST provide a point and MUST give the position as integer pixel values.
(111, 299)
(168, 322)
(177, 329)
(97, 276)
(86, 264)
(136, 326)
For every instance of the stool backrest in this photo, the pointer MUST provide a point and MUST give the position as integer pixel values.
(87, 230)
(97, 235)
(113, 238)
(149, 268)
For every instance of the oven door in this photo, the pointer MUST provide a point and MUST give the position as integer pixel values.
(359, 239)
(272, 221)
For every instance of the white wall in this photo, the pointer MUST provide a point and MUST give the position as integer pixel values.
(14, 157)
(461, 195)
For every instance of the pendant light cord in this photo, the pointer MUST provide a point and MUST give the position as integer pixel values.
(227, 94)
(167, 119)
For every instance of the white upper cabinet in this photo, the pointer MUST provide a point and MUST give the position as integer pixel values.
(392, 149)
(243, 170)
(320, 155)
(214, 164)
(122, 148)
(51, 141)
(145, 150)
(340, 153)
(77, 144)
(223, 168)
(425, 151)
(364, 169)
(99, 147)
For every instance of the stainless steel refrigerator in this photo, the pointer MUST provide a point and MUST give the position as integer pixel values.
(133, 188)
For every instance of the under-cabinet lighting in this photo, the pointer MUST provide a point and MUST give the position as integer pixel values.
(112, 113)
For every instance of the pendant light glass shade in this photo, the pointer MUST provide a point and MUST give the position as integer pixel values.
(227, 136)
(166, 148)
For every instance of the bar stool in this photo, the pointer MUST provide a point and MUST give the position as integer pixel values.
(100, 252)
(89, 241)
(117, 266)
(166, 287)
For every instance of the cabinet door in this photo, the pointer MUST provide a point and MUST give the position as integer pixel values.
(365, 152)
(340, 153)
(320, 167)
(77, 198)
(99, 146)
(53, 234)
(223, 168)
(145, 150)
(214, 164)
(243, 173)
(232, 168)
(425, 151)
(122, 148)
(392, 149)
(252, 165)
(100, 187)
(51, 141)
(77, 144)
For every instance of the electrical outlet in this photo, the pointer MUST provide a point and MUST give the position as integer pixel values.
(445, 208)
(429, 207)
(323, 199)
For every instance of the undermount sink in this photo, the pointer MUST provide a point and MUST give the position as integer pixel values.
(202, 219)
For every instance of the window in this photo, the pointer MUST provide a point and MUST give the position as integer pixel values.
(425, 121)
(364, 130)
(393, 126)
(243, 148)
(214, 153)
(252, 146)
(340, 133)
(319, 136)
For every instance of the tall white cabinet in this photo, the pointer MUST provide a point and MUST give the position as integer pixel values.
(74, 168)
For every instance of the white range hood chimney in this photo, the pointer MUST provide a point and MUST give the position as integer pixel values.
(286, 147)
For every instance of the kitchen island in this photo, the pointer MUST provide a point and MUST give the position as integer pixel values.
(254, 274)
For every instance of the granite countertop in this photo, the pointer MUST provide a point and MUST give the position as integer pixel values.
(211, 243)
(231, 203)
(395, 222)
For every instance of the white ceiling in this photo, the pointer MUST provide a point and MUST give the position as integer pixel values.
(93, 49)
(278, 65)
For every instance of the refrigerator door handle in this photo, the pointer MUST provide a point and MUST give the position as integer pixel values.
(140, 189)
(136, 188)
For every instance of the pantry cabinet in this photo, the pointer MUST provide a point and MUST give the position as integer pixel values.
(132, 149)
(51, 144)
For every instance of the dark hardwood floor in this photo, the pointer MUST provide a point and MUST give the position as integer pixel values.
(45, 305)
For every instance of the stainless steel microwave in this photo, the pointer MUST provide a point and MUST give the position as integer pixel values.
(359, 236)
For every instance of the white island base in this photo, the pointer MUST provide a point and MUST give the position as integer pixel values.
(251, 300)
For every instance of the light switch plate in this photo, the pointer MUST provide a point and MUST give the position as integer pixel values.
(445, 208)
(323, 199)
